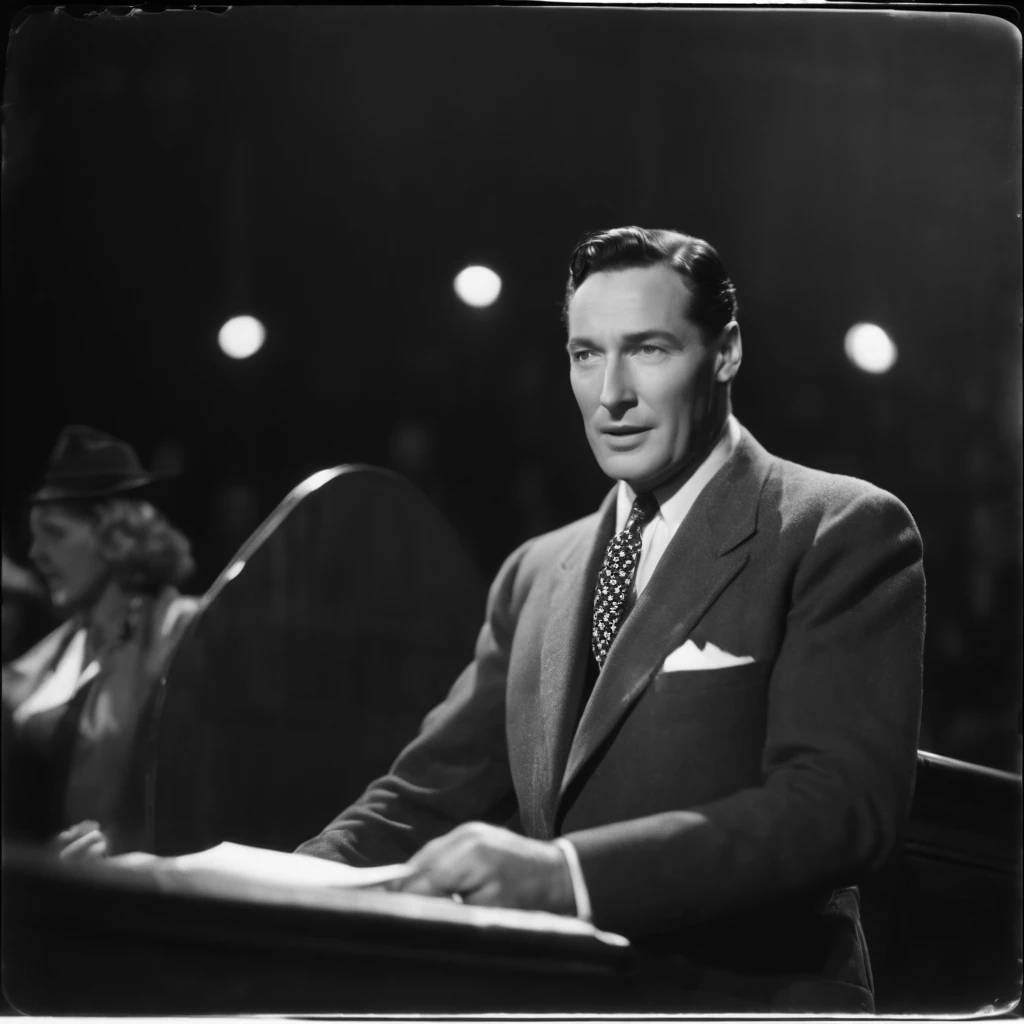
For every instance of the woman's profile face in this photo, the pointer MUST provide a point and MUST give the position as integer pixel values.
(66, 551)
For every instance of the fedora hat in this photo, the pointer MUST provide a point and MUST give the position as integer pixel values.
(86, 463)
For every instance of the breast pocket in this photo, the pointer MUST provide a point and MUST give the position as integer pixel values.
(707, 726)
(702, 680)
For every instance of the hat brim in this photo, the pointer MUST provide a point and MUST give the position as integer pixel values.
(56, 492)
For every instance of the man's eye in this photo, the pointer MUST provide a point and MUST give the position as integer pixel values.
(649, 350)
(580, 355)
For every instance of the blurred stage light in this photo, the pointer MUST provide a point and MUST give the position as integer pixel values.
(477, 286)
(869, 348)
(241, 337)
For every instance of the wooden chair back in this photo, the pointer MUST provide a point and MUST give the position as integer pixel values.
(341, 622)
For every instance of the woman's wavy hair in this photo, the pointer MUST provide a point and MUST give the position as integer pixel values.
(713, 296)
(145, 552)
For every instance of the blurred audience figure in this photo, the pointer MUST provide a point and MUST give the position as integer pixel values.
(27, 613)
(73, 704)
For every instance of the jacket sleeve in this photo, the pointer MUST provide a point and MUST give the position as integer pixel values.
(455, 770)
(839, 758)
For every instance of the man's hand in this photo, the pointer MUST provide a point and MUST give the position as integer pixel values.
(84, 841)
(492, 867)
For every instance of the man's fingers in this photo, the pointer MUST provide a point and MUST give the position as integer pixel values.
(441, 849)
(449, 854)
(487, 866)
(454, 863)
(488, 895)
(422, 885)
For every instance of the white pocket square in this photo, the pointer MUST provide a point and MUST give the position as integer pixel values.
(690, 657)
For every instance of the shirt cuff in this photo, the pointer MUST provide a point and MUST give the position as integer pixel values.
(579, 886)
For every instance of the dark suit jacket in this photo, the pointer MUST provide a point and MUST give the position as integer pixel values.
(720, 815)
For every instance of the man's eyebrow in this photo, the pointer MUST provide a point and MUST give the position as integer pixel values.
(639, 337)
(633, 338)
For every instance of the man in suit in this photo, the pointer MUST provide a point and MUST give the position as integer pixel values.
(701, 703)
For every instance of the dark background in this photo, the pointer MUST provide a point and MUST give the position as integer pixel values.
(330, 170)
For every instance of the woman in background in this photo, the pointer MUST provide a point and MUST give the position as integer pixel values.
(75, 704)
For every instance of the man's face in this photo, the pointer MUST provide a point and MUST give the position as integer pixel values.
(66, 550)
(643, 376)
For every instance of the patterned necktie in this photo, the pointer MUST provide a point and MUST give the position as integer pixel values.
(616, 576)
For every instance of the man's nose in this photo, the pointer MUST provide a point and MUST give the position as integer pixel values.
(617, 391)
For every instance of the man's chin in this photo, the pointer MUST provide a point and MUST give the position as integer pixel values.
(642, 479)
(630, 472)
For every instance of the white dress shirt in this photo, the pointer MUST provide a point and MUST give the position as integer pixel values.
(673, 505)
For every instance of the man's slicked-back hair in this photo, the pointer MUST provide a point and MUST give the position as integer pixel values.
(713, 297)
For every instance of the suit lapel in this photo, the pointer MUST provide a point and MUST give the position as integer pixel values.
(564, 653)
(702, 559)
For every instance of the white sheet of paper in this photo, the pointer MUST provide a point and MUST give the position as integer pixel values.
(273, 866)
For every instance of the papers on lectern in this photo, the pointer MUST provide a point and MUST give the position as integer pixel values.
(270, 866)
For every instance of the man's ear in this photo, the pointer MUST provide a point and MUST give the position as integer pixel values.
(729, 354)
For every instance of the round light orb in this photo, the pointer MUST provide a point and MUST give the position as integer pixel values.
(241, 337)
(869, 348)
(477, 286)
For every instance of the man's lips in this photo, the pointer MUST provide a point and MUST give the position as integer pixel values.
(623, 431)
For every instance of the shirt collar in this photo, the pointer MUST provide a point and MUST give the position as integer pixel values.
(675, 501)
